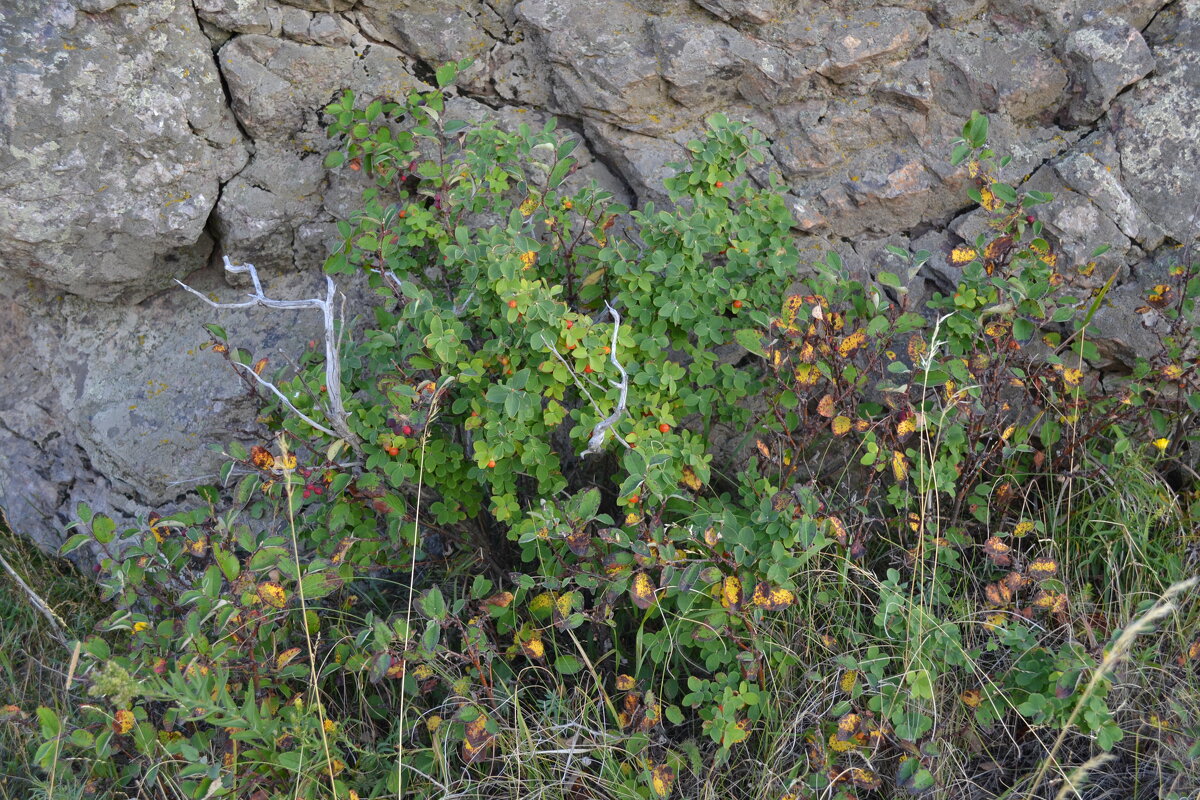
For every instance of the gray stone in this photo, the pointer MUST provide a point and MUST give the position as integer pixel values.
(1155, 126)
(260, 209)
(604, 66)
(1103, 59)
(972, 71)
(278, 88)
(872, 38)
(115, 139)
(122, 420)
(752, 11)
(241, 16)
(329, 6)
(437, 31)
(1093, 170)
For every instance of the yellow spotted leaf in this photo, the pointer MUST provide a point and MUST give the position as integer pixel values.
(825, 407)
(899, 466)
(971, 698)
(840, 425)
(840, 533)
(963, 255)
(625, 682)
(690, 480)
(731, 593)
(272, 594)
(641, 591)
(807, 375)
(286, 657)
(662, 779)
(849, 681)
(1041, 568)
(772, 599)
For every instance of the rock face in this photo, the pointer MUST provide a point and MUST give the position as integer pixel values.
(141, 140)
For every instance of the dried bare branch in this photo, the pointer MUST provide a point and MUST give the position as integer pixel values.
(336, 411)
(596, 443)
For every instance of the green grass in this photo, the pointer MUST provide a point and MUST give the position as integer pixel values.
(33, 660)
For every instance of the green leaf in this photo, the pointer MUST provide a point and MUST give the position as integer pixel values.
(334, 159)
(48, 720)
(567, 664)
(74, 543)
(316, 585)
(103, 529)
(446, 74)
(751, 340)
(433, 604)
(889, 279)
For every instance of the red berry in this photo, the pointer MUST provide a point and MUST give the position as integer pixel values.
(491, 464)
(664, 428)
(406, 430)
(1029, 218)
(635, 499)
(588, 369)
(306, 494)
(393, 451)
(474, 413)
(737, 303)
(403, 213)
(570, 324)
(319, 490)
(720, 184)
(512, 303)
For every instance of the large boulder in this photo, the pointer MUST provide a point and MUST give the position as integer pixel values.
(115, 137)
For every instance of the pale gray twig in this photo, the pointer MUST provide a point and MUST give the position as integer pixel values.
(336, 412)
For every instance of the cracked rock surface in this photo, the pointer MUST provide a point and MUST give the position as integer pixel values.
(142, 140)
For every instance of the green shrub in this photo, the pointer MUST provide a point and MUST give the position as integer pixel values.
(528, 518)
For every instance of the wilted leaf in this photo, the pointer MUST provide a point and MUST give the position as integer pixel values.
(772, 599)
(286, 657)
(272, 594)
(998, 551)
(625, 682)
(662, 779)
(500, 600)
(731, 593)
(848, 681)
(1041, 568)
(825, 407)
(840, 425)
(864, 779)
(579, 541)
(838, 528)
(971, 698)
(899, 466)
(476, 740)
(641, 591)
(690, 480)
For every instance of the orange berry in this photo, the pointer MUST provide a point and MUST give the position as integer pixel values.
(664, 428)
(737, 303)
(393, 451)
(570, 324)
(635, 499)
(512, 303)
(588, 369)
(606, 350)
(355, 164)
(492, 464)
(720, 184)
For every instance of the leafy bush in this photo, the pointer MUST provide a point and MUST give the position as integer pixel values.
(610, 473)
